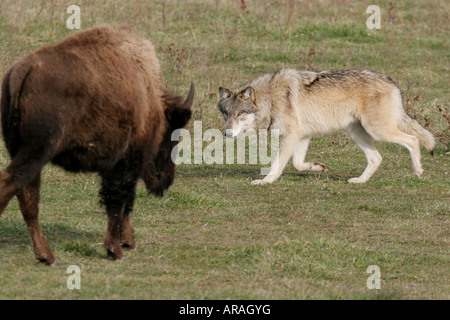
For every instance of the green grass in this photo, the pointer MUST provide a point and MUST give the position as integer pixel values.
(215, 236)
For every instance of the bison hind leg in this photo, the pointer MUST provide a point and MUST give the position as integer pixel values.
(21, 172)
(22, 178)
(8, 189)
(28, 201)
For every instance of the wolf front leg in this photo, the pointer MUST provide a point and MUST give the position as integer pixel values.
(299, 158)
(287, 148)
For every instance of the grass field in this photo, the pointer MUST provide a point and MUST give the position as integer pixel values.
(215, 236)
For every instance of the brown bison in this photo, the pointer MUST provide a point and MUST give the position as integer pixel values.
(92, 103)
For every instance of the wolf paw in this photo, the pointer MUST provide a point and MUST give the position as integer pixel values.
(356, 180)
(419, 174)
(311, 166)
(317, 166)
(257, 182)
(260, 182)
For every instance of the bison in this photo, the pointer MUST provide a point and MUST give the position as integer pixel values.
(94, 102)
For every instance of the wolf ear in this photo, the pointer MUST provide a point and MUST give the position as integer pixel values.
(248, 93)
(224, 93)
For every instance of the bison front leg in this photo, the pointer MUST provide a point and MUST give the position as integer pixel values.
(127, 240)
(117, 195)
(112, 241)
(28, 201)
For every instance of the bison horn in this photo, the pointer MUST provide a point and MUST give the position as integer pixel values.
(190, 98)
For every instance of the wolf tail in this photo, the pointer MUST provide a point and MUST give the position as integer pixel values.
(411, 126)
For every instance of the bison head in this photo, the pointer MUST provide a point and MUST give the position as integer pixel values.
(160, 175)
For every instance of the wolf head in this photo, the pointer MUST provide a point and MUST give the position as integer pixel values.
(238, 109)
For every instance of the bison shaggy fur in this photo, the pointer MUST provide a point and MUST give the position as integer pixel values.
(94, 102)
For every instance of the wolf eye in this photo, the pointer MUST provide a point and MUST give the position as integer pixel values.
(225, 114)
(240, 113)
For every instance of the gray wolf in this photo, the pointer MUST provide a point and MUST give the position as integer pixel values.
(94, 102)
(306, 104)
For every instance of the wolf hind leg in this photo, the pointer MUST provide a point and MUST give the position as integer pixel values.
(365, 142)
(390, 133)
(299, 157)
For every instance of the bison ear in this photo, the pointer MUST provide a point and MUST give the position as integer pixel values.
(248, 93)
(224, 93)
(178, 117)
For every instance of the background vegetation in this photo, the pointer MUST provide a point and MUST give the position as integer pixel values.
(215, 236)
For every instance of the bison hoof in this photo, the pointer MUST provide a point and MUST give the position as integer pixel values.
(129, 246)
(47, 262)
(55, 264)
(115, 255)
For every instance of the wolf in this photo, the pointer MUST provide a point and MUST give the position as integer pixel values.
(307, 104)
